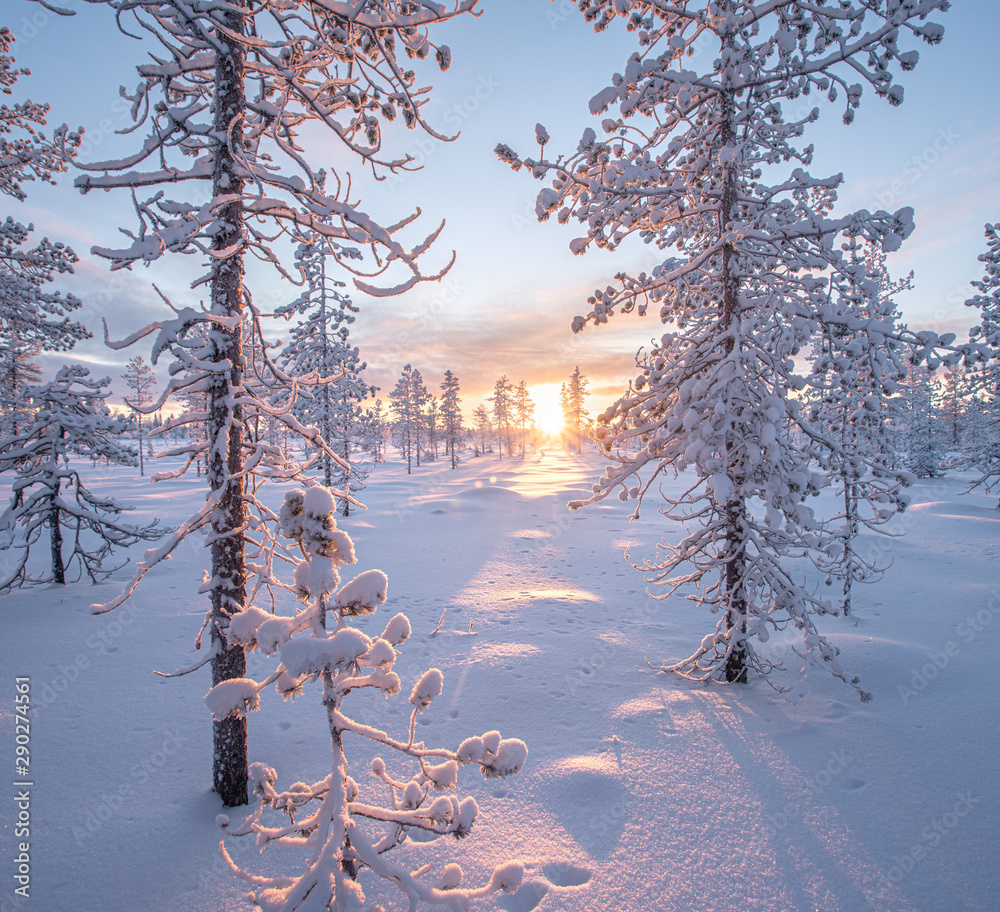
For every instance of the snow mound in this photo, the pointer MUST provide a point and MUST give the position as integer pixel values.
(566, 874)
(496, 653)
(656, 702)
(949, 509)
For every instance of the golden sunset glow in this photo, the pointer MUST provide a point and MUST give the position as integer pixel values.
(548, 413)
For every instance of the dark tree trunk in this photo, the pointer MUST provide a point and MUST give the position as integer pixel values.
(851, 518)
(736, 598)
(735, 669)
(347, 479)
(225, 456)
(55, 534)
(13, 394)
(142, 467)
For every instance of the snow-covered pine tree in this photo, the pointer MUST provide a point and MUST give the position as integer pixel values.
(68, 418)
(524, 413)
(919, 423)
(225, 99)
(320, 346)
(403, 419)
(406, 402)
(983, 450)
(575, 414)
(690, 163)
(18, 371)
(432, 414)
(451, 417)
(139, 378)
(954, 392)
(981, 433)
(192, 391)
(988, 299)
(376, 431)
(421, 404)
(856, 369)
(343, 831)
(32, 320)
(484, 427)
(503, 412)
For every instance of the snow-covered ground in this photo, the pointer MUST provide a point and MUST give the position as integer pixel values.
(641, 790)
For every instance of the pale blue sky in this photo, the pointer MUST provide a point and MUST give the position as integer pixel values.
(506, 307)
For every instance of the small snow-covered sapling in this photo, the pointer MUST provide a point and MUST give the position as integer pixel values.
(344, 830)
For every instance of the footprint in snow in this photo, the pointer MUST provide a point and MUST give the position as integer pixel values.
(837, 710)
(527, 897)
(852, 785)
(566, 874)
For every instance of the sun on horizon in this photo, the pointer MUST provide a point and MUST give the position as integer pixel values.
(548, 411)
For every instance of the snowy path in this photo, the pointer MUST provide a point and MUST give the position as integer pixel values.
(641, 791)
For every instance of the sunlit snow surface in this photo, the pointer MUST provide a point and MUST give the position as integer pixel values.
(641, 791)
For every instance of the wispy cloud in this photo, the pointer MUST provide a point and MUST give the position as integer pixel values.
(527, 340)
